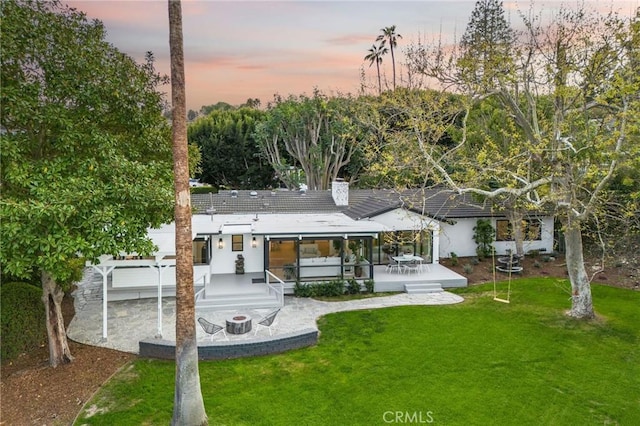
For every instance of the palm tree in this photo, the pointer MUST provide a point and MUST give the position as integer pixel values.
(375, 55)
(188, 405)
(389, 33)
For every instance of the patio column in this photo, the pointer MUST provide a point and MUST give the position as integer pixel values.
(104, 271)
(435, 249)
(159, 325)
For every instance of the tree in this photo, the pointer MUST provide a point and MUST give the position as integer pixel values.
(188, 405)
(84, 148)
(486, 47)
(229, 149)
(375, 56)
(389, 34)
(206, 109)
(192, 115)
(574, 98)
(316, 134)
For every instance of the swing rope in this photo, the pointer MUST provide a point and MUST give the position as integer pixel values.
(495, 289)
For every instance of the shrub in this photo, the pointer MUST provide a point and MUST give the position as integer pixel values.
(475, 261)
(22, 319)
(369, 285)
(319, 289)
(454, 259)
(353, 286)
(468, 268)
(301, 290)
(484, 237)
(546, 258)
(537, 264)
(332, 288)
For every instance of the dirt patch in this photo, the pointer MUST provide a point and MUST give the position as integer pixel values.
(624, 276)
(35, 394)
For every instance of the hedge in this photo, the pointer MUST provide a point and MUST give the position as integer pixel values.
(22, 319)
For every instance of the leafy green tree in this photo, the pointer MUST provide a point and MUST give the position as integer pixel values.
(86, 159)
(389, 34)
(188, 405)
(226, 139)
(375, 56)
(390, 123)
(316, 134)
(206, 109)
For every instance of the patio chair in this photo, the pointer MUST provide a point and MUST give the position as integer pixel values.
(413, 266)
(393, 264)
(267, 321)
(211, 328)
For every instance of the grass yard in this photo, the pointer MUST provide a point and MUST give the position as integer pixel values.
(479, 362)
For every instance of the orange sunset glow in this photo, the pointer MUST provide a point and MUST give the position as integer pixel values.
(235, 50)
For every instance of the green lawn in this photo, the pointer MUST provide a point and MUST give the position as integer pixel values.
(476, 363)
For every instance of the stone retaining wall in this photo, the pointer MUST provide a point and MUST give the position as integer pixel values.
(165, 349)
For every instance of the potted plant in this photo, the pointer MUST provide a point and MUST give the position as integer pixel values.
(289, 271)
(358, 266)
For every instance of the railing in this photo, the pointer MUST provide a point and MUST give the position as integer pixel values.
(204, 284)
(277, 288)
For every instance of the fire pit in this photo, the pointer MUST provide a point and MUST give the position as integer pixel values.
(239, 324)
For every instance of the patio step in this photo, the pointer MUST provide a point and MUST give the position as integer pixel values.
(423, 288)
(235, 301)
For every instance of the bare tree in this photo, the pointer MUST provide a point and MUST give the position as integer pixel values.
(188, 405)
(574, 97)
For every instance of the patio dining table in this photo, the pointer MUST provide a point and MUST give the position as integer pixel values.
(405, 261)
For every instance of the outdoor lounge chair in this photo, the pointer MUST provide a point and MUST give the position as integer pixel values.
(211, 328)
(267, 321)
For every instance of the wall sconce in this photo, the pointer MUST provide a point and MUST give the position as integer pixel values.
(220, 243)
(254, 243)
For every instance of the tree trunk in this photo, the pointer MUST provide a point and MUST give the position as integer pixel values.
(515, 219)
(582, 304)
(188, 406)
(52, 296)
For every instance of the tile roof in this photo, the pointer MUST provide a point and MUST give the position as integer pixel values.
(439, 203)
(264, 201)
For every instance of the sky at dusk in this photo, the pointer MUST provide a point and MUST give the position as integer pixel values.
(235, 50)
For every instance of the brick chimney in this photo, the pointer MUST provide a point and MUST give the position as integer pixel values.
(340, 192)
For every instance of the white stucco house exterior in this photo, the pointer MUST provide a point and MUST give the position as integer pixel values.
(301, 236)
(250, 248)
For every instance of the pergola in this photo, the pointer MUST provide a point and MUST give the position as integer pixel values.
(164, 239)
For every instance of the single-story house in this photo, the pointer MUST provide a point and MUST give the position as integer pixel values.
(275, 239)
(308, 235)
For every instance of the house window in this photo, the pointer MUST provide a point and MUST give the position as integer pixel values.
(237, 243)
(531, 230)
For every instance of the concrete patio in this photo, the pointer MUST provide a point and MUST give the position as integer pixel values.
(132, 321)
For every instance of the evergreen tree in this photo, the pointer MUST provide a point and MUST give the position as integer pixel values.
(486, 46)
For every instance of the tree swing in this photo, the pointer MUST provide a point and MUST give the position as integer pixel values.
(495, 287)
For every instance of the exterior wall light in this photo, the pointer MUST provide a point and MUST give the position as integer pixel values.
(254, 243)
(220, 243)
